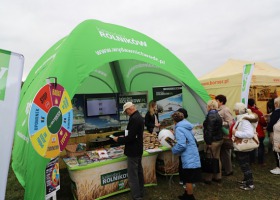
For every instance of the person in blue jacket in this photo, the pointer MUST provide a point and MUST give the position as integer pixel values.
(186, 147)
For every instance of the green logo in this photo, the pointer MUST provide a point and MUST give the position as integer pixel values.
(4, 66)
(114, 177)
(54, 120)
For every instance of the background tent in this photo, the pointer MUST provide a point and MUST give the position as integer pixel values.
(227, 78)
(97, 57)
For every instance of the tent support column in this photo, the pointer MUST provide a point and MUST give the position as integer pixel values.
(115, 69)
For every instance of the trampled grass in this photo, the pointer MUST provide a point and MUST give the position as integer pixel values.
(267, 187)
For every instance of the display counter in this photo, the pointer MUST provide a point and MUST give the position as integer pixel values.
(102, 179)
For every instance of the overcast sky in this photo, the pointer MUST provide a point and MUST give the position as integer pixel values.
(204, 34)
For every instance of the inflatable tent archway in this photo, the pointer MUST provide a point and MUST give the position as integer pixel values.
(97, 57)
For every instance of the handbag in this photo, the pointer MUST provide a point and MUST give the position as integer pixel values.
(245, 144)
(210, 164)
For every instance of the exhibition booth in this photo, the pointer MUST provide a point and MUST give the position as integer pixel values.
(227, 80)
(101, 66)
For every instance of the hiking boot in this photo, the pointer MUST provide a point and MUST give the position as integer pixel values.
(275, 171)
(241, 182)
(247, 187)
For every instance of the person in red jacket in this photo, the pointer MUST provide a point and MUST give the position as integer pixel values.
(260, 130)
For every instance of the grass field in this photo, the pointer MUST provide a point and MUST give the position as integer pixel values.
(267, 187)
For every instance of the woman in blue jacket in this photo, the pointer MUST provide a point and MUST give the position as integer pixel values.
(186, 147)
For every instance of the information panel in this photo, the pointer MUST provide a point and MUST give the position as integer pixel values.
(50, 120)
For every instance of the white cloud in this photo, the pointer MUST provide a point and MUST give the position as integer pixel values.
(202, 33)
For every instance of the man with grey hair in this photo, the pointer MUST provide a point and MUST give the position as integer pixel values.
(274, 117)
(133, 142)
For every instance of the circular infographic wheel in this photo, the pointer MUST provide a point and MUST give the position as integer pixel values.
(50, 120)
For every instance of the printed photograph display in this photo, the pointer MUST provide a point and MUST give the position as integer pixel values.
(169, 99)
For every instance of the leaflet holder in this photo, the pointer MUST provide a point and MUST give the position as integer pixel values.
(48, 80)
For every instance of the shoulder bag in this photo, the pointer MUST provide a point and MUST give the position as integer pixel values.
(210, 164)
(245, 144)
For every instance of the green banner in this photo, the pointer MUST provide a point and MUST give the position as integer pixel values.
(246, 81)
(4, 66)
(113, 177)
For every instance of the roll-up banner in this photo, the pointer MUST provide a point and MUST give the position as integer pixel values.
(11, 67)
(246, 81)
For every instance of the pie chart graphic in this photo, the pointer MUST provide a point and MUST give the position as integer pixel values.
(50, 120)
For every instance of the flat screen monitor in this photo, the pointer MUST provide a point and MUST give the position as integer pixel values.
(101, 106)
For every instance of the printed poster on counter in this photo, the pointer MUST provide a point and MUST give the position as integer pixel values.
(139, 99)
(52, 178)
(169, 99)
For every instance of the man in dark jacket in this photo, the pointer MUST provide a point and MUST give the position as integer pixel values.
(133, 141)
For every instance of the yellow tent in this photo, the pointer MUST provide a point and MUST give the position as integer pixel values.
(227, 78)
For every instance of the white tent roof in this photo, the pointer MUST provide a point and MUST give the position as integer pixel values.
(263, 74)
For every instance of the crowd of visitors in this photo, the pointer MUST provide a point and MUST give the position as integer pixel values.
(221, 129)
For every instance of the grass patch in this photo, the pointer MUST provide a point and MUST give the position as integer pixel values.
(267, 186)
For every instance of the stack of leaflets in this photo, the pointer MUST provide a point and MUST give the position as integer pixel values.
(103, 155)
(84, 160)
(71, 162)
(115, 152)
(93, 155)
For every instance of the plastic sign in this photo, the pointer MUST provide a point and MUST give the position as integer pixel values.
(50, 120)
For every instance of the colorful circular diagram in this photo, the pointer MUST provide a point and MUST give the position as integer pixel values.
(50, 120)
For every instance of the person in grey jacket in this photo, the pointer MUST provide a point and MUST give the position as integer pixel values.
(186, 147)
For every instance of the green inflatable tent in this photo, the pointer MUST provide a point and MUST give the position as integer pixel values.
(98, 57)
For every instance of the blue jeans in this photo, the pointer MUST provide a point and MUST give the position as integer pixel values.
(135, 177)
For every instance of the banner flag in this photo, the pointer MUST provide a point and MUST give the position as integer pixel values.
(11, 68)
(246, 81)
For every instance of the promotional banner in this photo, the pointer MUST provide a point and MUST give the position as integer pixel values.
(11, 67)
(246, 80)
(169, 99)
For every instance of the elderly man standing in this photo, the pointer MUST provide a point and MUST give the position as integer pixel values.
(133, 142)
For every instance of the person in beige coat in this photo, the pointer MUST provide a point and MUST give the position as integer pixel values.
(228, 120)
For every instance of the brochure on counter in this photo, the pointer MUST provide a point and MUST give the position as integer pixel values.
(97, 155)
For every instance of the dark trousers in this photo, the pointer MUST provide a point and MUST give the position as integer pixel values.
(135, 177)
(181, 170)
(260, 150)
(244, 163)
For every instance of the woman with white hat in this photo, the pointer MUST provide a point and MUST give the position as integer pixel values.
(244, 127)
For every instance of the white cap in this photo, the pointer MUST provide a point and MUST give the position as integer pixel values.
(126, 106)
(240, 107)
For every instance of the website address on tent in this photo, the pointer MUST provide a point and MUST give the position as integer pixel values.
(124, 50)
